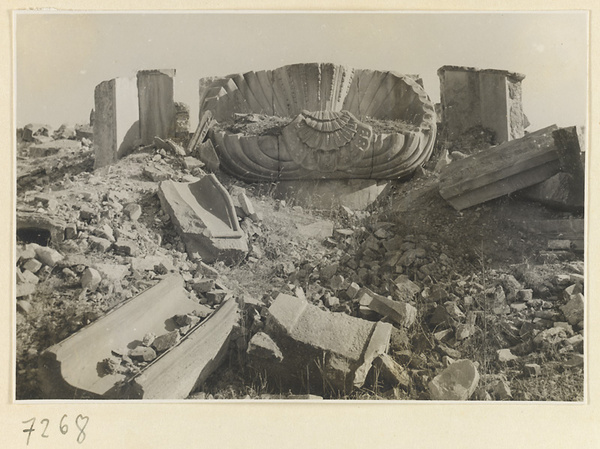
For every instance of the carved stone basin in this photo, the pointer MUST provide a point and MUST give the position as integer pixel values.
(320, 121)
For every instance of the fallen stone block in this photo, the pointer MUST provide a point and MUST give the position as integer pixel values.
(116, 120)
(133, 211)
(532, 370)
(456, 383)
(166, 341)
(32, 130)
(32, 265)
(405, 289)
(501, 170)
(204, 125)
(331, 351)
(401, 313)
(191, 163)
(69, 369)
(205, 218)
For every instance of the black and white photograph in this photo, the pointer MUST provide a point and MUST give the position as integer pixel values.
(245, 227)
(300, 206)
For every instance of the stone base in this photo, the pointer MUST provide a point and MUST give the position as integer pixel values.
(356, 194)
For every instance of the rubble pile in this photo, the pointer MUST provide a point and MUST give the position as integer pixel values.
(188, 283)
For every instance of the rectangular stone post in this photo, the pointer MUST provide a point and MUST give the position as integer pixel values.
(116, 124)
(156, 104)
(488, 98)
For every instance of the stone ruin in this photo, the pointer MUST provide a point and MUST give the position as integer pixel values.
(320, 121)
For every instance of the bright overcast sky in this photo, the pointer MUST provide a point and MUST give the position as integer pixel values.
(62, 57)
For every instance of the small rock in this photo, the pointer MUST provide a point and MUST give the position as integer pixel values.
(576, 361)
(166, 341)
(29, 277)
(331, 301)
(90, 278)
(505, 355)
(574, 309)
(216, 296)
(263, 347)
(99, 244)
(24, 306)
(133, 211)
(405, 289)
(352, 290)
(48, 256)
(148, 339)
(25, 290)
(532, 370)
(457, 382)
(126, 247)
(186, 320)
(203, 285)
(142, 354)
(502, 390)
(87, 214)
(336, 282)
(33, 265)
(207, 271)
(392, 372)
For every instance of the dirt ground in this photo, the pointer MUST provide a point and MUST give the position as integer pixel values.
(479, 269)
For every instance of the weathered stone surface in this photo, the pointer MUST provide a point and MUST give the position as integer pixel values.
(574, 309)
(331, 346)
(505, 355)
(99, 244)
(54, 147)
(205, 218)
(156, 104)
(455, 383)
(487, 98)
(356, 194)
(116, 120)
(25, 289)
(504, 169)
(262, 347)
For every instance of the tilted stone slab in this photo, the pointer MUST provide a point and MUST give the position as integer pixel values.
(185, 367)
(204, 216)
(321, 349)
(70, 369)
(504, 169)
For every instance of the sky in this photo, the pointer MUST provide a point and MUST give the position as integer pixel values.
(60, 58)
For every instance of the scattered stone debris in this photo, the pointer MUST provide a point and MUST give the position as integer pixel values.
(365, 287)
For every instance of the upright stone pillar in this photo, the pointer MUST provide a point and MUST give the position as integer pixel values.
(488, 98)
(156, 104)
(115, 120)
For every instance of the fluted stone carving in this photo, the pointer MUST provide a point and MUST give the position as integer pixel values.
(339, 123)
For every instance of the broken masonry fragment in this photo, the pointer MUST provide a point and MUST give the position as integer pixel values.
(204, 216)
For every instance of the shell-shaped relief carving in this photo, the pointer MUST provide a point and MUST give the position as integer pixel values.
(326, 141)
(329, 137)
